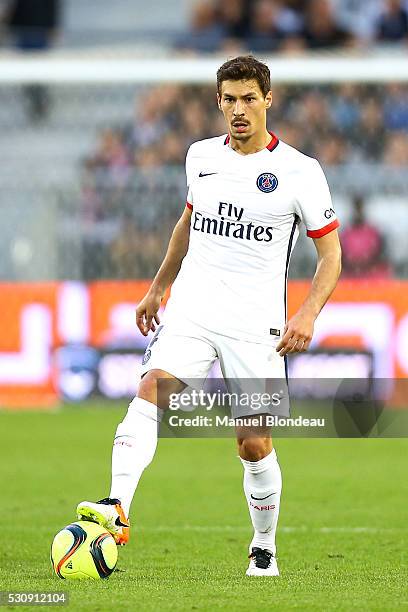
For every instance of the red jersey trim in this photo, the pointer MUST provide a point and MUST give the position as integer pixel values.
(324, 230)
(190, 206)
(274, 142)
(271, 146)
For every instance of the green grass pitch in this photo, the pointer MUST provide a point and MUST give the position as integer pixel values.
(342, 542)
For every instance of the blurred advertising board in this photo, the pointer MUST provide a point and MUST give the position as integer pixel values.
(71, 340)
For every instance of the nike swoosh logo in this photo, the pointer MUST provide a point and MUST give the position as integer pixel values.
(262, 498)
(206, 174)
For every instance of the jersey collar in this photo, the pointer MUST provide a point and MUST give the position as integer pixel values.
(271, 146)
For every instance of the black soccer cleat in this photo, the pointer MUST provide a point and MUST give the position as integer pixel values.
(262, 563)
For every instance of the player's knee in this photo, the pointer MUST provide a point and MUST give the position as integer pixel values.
(148, 387)
(156, 386)
(254, 449)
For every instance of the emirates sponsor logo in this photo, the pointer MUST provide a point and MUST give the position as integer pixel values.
(229, 223)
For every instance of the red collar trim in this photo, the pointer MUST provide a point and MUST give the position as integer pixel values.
(271, 146)
(274, 142)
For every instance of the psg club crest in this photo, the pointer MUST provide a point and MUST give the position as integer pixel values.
(267, 182)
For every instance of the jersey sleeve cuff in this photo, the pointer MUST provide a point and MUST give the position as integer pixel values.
(324, 230)
(190, 206)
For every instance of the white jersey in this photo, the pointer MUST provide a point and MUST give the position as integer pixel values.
(246, 211)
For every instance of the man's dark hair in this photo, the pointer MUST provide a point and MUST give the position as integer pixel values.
(245, 68)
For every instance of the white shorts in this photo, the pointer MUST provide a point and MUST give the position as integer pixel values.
(189, 352)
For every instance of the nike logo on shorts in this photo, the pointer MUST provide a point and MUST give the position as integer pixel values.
(206, 174)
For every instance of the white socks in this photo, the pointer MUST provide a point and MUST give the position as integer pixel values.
(133, 449)
(262, 486)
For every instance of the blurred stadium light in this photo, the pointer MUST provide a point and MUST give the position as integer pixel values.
(72, 67)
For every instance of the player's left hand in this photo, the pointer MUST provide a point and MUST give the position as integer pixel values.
(297, 334)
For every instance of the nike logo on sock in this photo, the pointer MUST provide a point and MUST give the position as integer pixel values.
(206, 174)
(262, 498)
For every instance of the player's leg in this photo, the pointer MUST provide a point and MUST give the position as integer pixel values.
(262, 488)
(186, 355)
(134, 447)
(257, 368)
(136, 436)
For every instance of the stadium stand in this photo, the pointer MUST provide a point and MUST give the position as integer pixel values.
(105, 163)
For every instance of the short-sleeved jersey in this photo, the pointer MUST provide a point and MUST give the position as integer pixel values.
(246, 212)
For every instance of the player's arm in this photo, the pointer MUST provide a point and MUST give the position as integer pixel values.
(299, 329)
(146, 312)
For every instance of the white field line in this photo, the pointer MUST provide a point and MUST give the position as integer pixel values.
(283, 529)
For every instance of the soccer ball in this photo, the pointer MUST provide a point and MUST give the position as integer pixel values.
(83, 550)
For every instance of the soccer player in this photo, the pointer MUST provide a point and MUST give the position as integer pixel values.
(227, 262)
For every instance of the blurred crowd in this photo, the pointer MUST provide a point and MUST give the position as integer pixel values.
(293, 25)
(133, 184)
(363, 246)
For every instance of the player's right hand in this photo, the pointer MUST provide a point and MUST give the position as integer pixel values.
(146, 312)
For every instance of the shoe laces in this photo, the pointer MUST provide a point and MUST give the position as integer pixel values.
(108, 501)
(262, 557)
